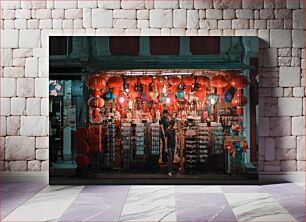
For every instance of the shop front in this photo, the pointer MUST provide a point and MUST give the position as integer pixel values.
(139, 112)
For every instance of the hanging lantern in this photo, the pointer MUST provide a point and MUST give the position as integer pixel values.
(93, 148)
(203, 81)
(200, 95)
(188, 81)
(146, 81)
(133, 95)
(174, 81)
(81, 133)
(96, 103)
(212, 98)
(115, 83)
(153, 95)
(239, 101)
(219, 82)
(132, 81)
(82, 161)
(93, 139)
(159, 82)
(239, 82)
(96, 81)
(81, 146)
(107, 96)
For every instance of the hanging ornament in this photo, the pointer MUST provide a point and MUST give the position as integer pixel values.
(82, 133)
(200, 95)
(159, 82)
(219, 82)
(132, 81)
(212, 98)
(174, 81)
(239, 81)
(188, 81)
(133, 95)
(153, 95)
(107, 96)
(203, 81)
(146, 81)
(96, 82)
(239, 101)
(96, 103)
(179, 94)
(115, 83)
(227, 96)
(81, 146)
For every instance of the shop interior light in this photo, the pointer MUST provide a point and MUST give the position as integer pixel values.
(213, 98)
(164, 90)
(121, 99)
(168, 100)
(127, 90)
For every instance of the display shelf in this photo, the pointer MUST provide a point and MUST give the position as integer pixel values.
(126, 145)
(190, 150)
(202, 146)
(155, 134)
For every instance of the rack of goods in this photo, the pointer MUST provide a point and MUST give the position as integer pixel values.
(190, 151)
(202, 146)
(155, 139)
(217, 148)
(111, 144)
(140, 145)
(126, 145)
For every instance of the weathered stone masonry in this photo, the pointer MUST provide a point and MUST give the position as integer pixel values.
(26, 25)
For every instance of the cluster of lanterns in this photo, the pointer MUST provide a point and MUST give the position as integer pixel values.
(173, 86)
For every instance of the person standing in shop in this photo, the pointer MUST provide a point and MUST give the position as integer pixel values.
(164, 123)
(170, 145)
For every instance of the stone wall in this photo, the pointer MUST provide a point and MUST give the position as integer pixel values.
(25, 26)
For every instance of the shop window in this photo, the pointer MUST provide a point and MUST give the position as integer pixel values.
(164, 45)
(205, 46)
(60, 45)
(124, 46)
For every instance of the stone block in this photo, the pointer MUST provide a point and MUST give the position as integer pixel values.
(34, 165)
(264, 126)
(87, 4)
(288, 92)
(10, 5)
(5, 106)
(41, 87)
(8, 24)
(6, 57)
(45, 24)
(285, 154)
(270, 57)
(283, 13)
(284, 52)
(280, 38)
(9, 72)
(266, 14)
(8, 14)
(73, 13)
(2, 142)
(280, 126)
(13, 125)
(58, 13)
(20, 24)
(224, 24)
(293, 4)
(264, 38)
(33, 24)
(102, 18)
(245, 14)
(216, 32)
(18, 106)
(192, 19)
(8, 87)
(160, 18)
(285, 142)
(277, 92)
(19, 148)
(186, 4)
(298, 19)
(33, 4)
(214, 14)
(22, 53)
(29, 38)
(124, 14)
(229, 14)
(289, 106)
(18, 166)
(227, 4)
(45, 165)
(289, 76)
(31, 67)
(42, 142)
(34, 126)
(240, 24)
(301, 165)
(180, 18)
(66, 4)
(142, 24)
(87, 18)
(19, 62)
(208, 24)
(296, 62)
(164, 4)
(143, 14)
(43, 14)
(301, 148)
(23, 13)
(298, 38)
(298, 126)
(43, 67)
(25, 87)
(275, 24)
(288, 24)
(284, 61)
(68, 24)
(269, 148)
(42, 154)
(9, 38)
(125, 23)
(298, 91)
(3, 130)
(109, 4)
(150, 31)
(44, 106)
(252, 4)
(33, 106)
(288, 165)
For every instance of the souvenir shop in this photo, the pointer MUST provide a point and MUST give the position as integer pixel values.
(164, 124)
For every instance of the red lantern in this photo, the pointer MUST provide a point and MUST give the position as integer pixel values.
(174, 81)
(203, 81)
(188, 81)
(239, 101)
(239, 81)
(82, 161)
(200, 95)
(96, 82)
(96, 103)
(93, 148)
(115, 83)
(219, 82)
(133, 95)
(81, 146)
(132, 81)
(159, 82)
(93, 139)
(81, 133)
(146, 81)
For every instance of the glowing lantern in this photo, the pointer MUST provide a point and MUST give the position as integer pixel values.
(174, 81)
(153, 95)
(146, 81)
(239, 82)
(133, 95)
(159, 83)
(96, 103)
(239, 101)
(200, 95)
(188, 81)
(121, 100)
(219, 82)
(116, 83)
(96, 82)
(203, 81)
(132, 81)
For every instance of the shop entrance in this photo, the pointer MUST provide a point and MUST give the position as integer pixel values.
(157, 126)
